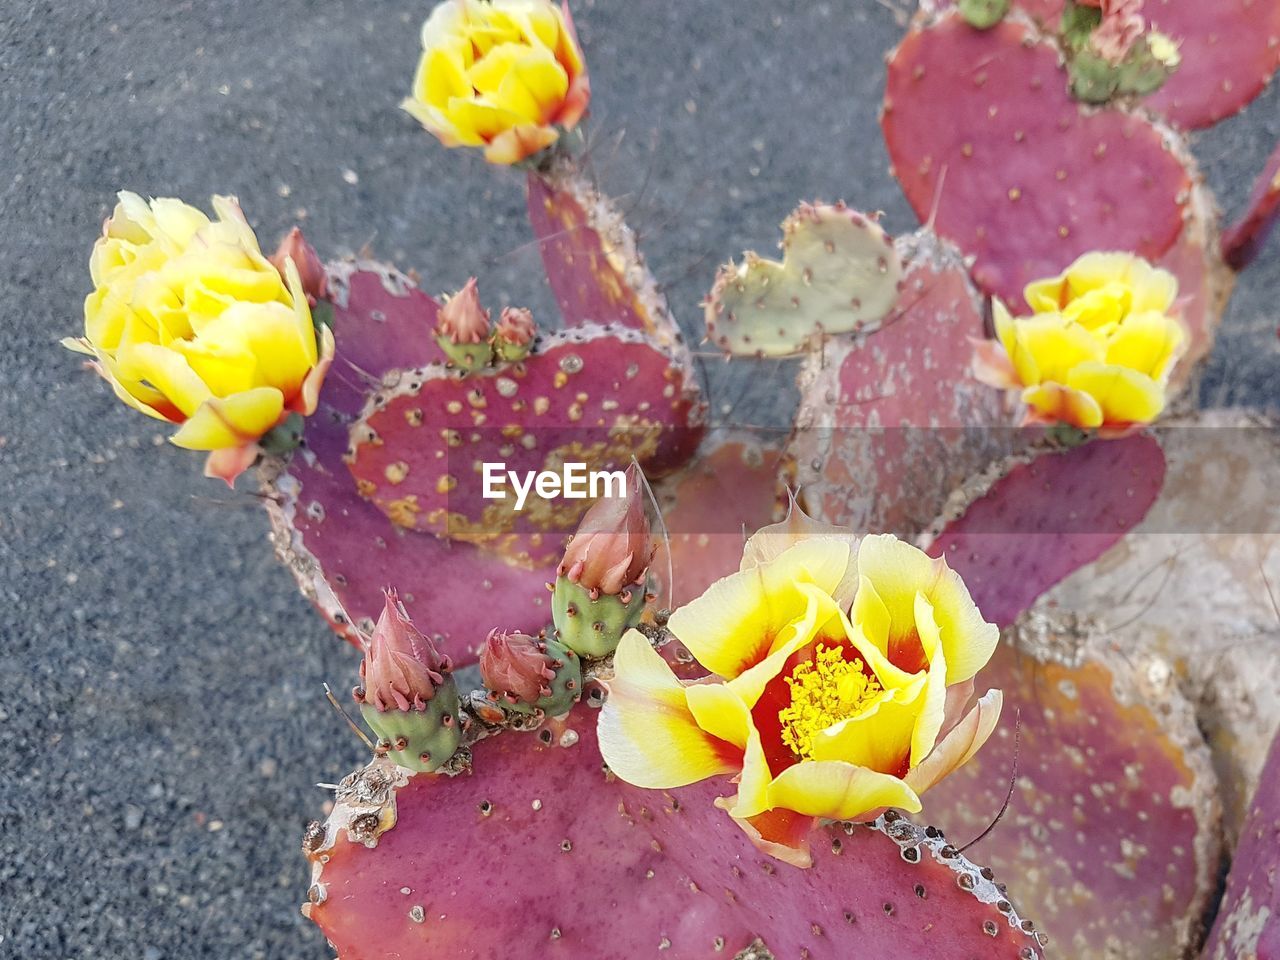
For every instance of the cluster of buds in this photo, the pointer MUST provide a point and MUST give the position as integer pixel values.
(599, 591)
(407, 695)
(466, 335)
(528, 675)
(1111, 53)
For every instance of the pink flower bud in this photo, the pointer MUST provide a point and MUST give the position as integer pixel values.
(612, 547)
(515, 326)
(517, 664)
(402, 667)
(462, 319)
(1122, 25)
(310, 268)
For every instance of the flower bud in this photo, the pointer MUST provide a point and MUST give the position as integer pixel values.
(315, 283)
(514, 337)
(1122, 26)
(462, 328)
(190, 323)
(407, 696)
(507, 77)
(599, 590)
(516, 664)
(526, 673)
(402, 668)
(613, 546)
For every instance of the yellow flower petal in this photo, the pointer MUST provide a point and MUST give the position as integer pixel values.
(839, 791)
(899, 571)
(719, 711)
(1055, 403)
(648, 735)
(1148, 343)
(870, 613)
(138, 395)
(734, 624)
(233, 421)
(442, 76)
(1124, 396)
(1101, 308)
(1048, 346)
(933, 705)
(1047, 295)
(167, 372)
(770, 542)
(819, 614)
(960, 743)
(514, 145)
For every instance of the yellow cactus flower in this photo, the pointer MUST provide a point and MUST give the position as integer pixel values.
(506, 75)
(842, 675)
(191, 324)
(1097, 351)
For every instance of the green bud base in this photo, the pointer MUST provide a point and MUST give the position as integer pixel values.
(593, 628)
(466, 356)
(422, 740)
(983, 14)
(511, 352)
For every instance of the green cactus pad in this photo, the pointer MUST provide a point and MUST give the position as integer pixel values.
(593, 628)
(838, 274)
(421, 740)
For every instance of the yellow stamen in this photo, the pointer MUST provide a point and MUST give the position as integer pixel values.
(824, 691)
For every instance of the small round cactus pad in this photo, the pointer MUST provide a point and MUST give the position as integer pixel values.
(540, 853)
(991, 148)
(839, 273)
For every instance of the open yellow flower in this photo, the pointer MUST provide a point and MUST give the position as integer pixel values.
(841, 680)
(191, 324)
(1098, 349)
(506, 75)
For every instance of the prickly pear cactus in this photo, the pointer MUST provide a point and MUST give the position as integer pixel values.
(1046, 518)
(394, 871)
(592, 395)
(341, 549)
(891, 421)
(344, 550)
(737, 483)
(593, 263)
(991, 148)
(1245, 238)
(1248, 923)
(1227, 53)
(1110, 839)
(839, 273)
(1194, 585)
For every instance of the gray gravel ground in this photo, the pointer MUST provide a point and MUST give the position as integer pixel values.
(161, 718)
